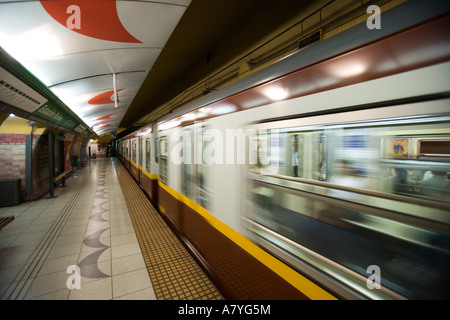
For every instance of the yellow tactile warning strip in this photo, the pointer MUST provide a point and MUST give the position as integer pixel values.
(174, 272)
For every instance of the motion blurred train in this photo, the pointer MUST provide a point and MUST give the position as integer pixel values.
(324, 175)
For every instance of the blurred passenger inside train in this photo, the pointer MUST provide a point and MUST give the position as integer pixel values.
(400, 177)
(321, 173)
(295, 155)
(436, 186)
(346, 175)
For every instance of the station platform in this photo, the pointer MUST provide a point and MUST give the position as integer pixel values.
(102, 223)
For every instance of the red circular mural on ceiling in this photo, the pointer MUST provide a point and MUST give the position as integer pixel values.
(103, 98)
(97, 18)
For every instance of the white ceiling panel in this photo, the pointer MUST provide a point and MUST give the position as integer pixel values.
(72, 67)
(98, 84)
(75, 47)
(158, 21)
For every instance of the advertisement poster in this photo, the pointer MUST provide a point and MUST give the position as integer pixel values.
(398, 148)
(67, 160)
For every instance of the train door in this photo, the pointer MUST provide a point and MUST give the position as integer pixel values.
(163, 159)
(127, 154)
(148, 155)
(188, 166)
(194, 169)
(133, 150)
(140, 149)
(203, 169)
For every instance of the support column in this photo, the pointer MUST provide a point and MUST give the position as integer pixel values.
(51, 163)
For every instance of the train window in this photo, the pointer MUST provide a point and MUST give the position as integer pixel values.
(267, 152)
(133, 151)
(380, 158)
(163, 159)
(147, 154)
(139, 152)
(358, 194)
(296, 148)
(290, 153)
(434, 149)
(319, 153)
(157, 150)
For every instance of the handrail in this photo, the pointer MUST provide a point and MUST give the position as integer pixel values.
(420, 222)
(380, 194)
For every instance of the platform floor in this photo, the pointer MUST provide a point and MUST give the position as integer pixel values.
(102, 223)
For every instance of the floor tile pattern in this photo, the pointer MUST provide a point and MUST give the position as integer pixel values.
(29, 270)
(174, 272)
(97, 225)
(86, 224)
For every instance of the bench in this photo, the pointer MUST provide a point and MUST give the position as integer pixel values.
(4, 221)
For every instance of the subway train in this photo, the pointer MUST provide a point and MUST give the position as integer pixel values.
(325, 175)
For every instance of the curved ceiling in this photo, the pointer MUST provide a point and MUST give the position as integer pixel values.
(149, 51)
(85, 51)
(212, 34)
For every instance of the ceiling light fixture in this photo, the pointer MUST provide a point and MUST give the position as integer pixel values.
(276, 93)
(222, 108)
(348, 69)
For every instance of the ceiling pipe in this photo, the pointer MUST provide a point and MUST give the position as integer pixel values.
(116, 98)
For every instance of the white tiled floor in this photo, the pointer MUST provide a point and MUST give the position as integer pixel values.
(86, 224)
